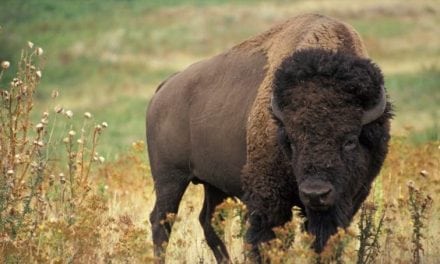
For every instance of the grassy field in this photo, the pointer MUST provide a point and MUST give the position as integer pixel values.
(107, 57)
(110, 56)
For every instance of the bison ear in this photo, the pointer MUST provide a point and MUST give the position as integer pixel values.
(276, 111)
(376, 111)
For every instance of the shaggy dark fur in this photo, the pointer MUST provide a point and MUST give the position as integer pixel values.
(351, 74)
(322, 96)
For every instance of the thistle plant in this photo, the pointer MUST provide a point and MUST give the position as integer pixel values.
(22, 145)
(419, 207)
(370, 231)
(41, 202)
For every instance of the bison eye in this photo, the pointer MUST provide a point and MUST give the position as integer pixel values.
(350, 143)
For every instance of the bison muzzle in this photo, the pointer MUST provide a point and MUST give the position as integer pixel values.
(297, 116)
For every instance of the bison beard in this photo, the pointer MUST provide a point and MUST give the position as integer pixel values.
(326, 223)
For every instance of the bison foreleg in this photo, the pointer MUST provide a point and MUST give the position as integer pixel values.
(263, 221)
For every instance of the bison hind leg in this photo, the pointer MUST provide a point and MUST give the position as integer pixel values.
(213, 197)
(170, 186)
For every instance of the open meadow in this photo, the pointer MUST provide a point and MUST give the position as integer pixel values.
(75, 184)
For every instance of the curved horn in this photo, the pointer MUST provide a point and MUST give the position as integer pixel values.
(275, 109)
(375, 112)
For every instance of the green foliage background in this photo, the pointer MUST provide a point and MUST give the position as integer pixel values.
(107, 57)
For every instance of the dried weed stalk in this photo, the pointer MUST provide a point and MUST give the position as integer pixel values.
(419, 207)
(370, 232)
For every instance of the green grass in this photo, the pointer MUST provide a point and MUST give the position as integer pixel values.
(416, 98)
(416, 87)
(107, 57)
(383, 28)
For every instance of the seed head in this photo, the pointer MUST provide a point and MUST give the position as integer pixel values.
(30, 44)
(87, 115)
(39, 51)
(24, 89)
(411, 184)
(39, 74)
(51, 179)
(10, 172)
(101, 159)
(72, 133)
(39, 127)
(55, 94)
(104, 124)
(5, 94)
(17, 158)
(80, 141)
(62, 178)
(16, 82)
(40, 143)
(58, 109)
(424, 173)
(5, 64)
(69, 113)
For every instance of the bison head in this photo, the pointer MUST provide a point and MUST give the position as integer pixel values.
(333, 127)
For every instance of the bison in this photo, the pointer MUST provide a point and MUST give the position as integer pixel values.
(296, 116)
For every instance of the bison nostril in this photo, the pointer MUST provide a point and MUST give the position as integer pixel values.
(317, 195)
